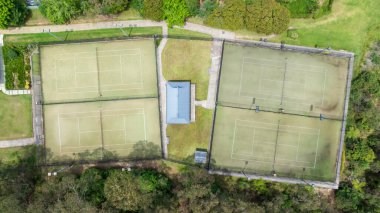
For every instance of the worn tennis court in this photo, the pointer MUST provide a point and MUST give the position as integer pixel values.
(279, 113)
(98, 70)
(299, 83)
(100, 101)
(111, 126)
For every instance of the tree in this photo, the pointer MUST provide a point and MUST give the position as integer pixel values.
(12, 13)
(348, 199)
(113, 6)
(152, 9)
(175, 12)
(267, 16)
(207, 8)
(60, 12)
(193, 7)
(123, 191)
(229, 16)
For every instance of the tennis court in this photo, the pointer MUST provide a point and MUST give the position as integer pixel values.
(298, 83)
(98, 70)
(279, 112)
(266, 143)
(109, 126)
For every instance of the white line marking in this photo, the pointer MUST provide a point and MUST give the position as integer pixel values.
(233, 141)
(271, 162)
(241, 76)
(316, 149)
(324, 88)
(299, 127)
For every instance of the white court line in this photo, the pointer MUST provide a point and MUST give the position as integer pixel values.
(324, 89)
(241, 76)
(300, 127)
(300, 64)
(280, 67)
(292, 82)
(59, 134)
(275, 130)
(125, 131)
(78, 129)
(89, 131)
(253, 140)
(233, 141)
(298, 147)
(316, 149)
(271, 157)
(141, 71)
(271, 162)
(144, 126)
(102, 51)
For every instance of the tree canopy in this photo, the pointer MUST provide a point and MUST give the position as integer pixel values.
(152, 9)
(175, 12)
(12, 13)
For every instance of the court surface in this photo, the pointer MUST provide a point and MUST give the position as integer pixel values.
(267, 143)
(98, 70)
(299, 83)
(103, 130)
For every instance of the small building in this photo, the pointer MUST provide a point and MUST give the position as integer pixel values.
(200, 156)
(178, 94)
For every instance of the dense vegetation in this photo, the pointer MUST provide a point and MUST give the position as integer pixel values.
(17, 72)
(12, 13)
(307, 8)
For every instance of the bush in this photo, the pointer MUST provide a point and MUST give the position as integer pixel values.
(301, 8)
(267, 16)
(229, 16)
(16, 73)
(193, 7)
(12, 13)
(60, 12)
(207, 8)
(175, 12)
(113, 6)
(152, 9)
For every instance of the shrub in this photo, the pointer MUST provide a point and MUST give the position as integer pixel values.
(175, 12)
(60, 12)
(16, 72)
(193, 7)
(152, 9)
(12, 13)
(301, 8)
(229, 16)
(113, 6)
(207, 8)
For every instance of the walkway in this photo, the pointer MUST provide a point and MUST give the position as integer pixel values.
(162, 88)
(16, 143)
(85, 26)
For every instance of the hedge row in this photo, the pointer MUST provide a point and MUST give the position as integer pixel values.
(17, 67)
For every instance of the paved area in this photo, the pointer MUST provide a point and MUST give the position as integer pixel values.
(38, 128)
(162, 88)
(85, 26)
(215, 33)
(216, 60)
(16, 143)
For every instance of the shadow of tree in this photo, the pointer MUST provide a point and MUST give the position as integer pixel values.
(145, 150)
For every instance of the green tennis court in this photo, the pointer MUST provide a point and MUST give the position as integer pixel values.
(98, 70)
(279, 112)
(99, 130)
(305, 84)
(266, 143)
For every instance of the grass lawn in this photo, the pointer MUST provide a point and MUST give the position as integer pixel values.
(188, 60)
(186, 33)
(36, 18)
(346, 27)
(15, 116)
(81, 35)
(185, 139)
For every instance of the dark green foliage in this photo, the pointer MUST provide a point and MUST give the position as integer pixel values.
(193, 7)
(301, 8)
(12, 13)
(229, 16)
(348, 199)
(16, 69)
(137, 5)
(91, 185)
(152, 9)
(175, 12)
(375, 58)
(60, 12)
(267, 16)
(113, 6)
(207, 8)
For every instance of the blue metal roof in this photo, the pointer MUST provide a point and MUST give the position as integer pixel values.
(178, 102)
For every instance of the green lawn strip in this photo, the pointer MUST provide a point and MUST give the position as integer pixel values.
(188, 60)
(81, 35)
(186, 138)
(15, 116)
(186, 33)
(36, 18)
(36, 64)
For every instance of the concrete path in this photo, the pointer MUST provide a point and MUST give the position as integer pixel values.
(84, 26)
(215, 33)
(162, 88)
(38, 128)
(216, 60)
(16, 143)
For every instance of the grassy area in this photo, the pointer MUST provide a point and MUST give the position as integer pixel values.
(347, 27)
(11, 155)
(36, 18)
(188, 60)
(36, 64)
(185, 139)
(81, 35)
(186, 33)
(15, 116)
